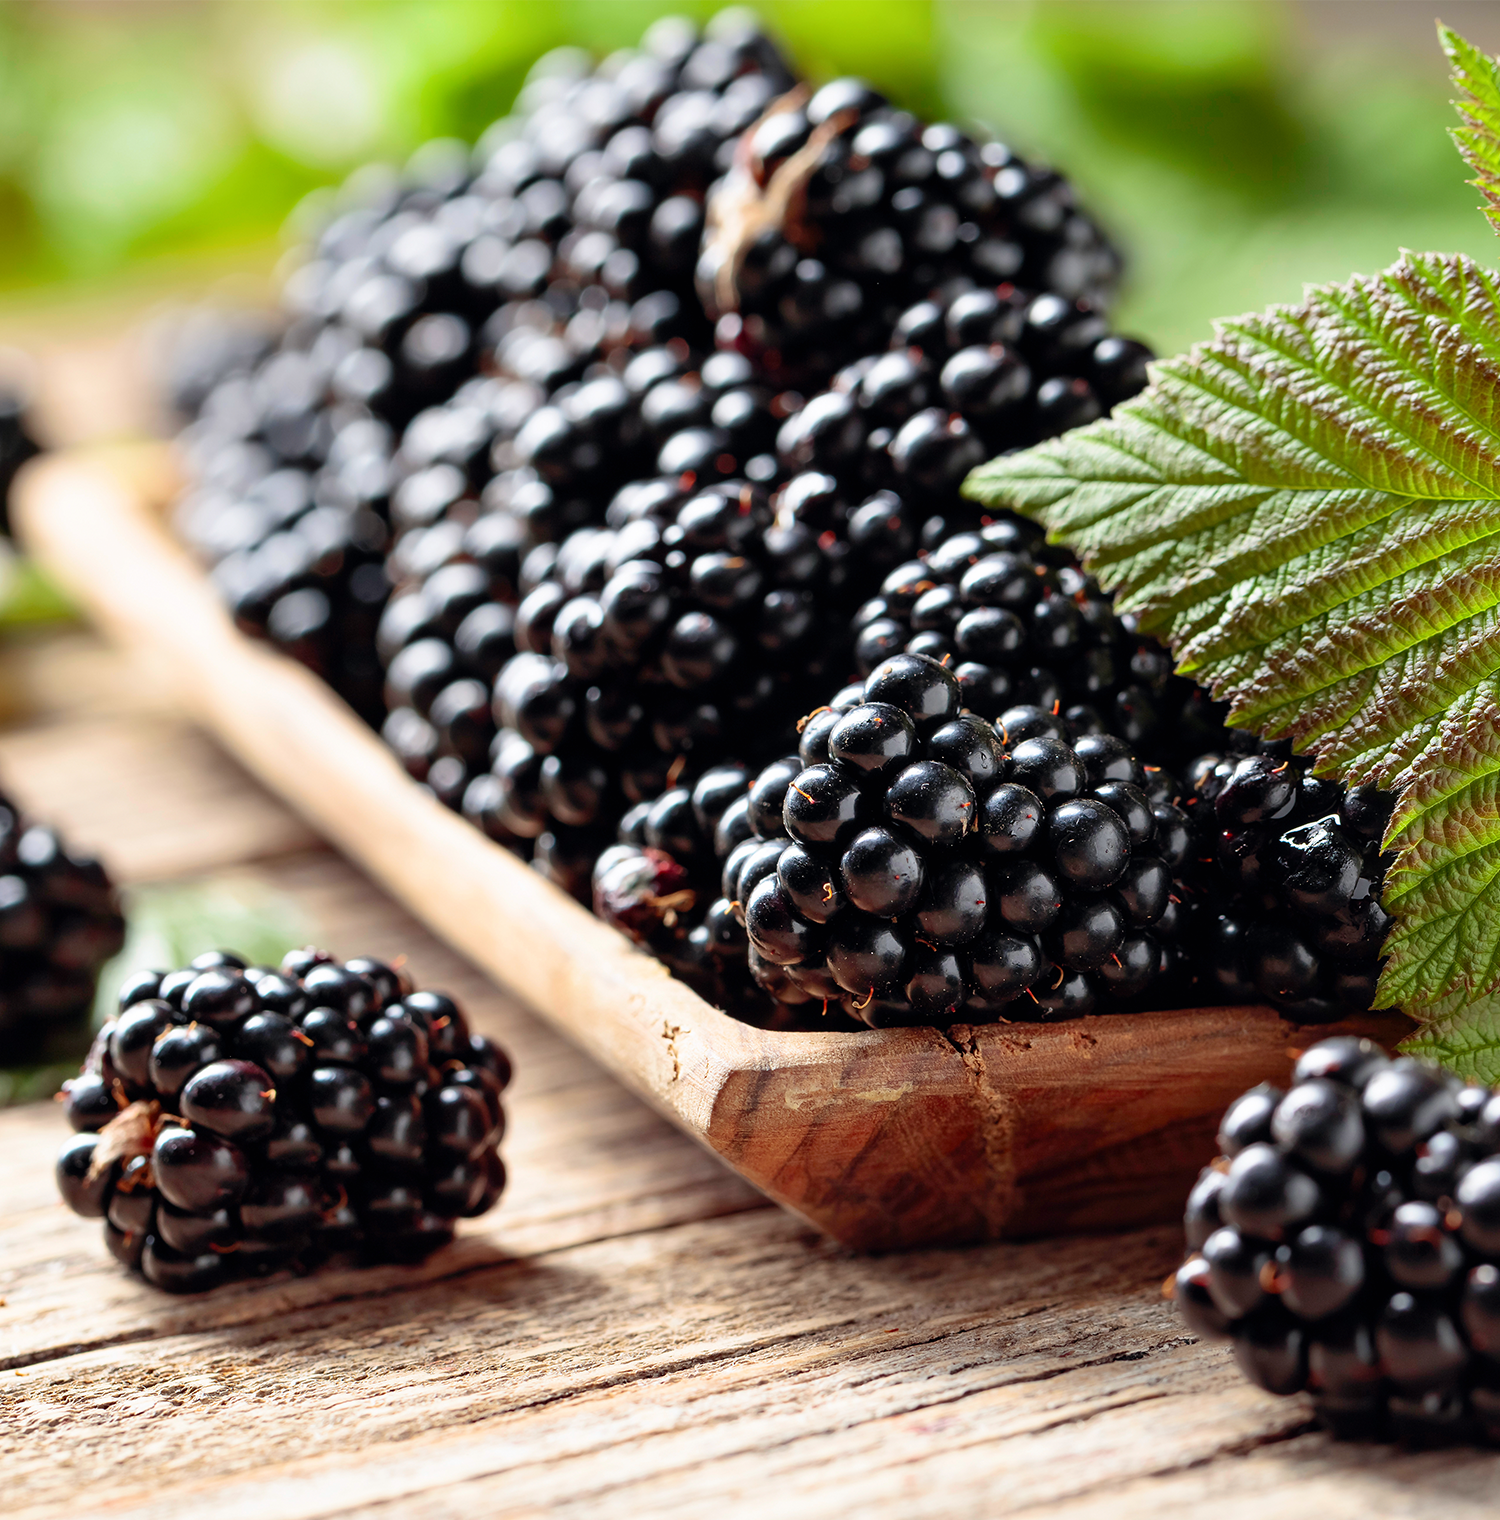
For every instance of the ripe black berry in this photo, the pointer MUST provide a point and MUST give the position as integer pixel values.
(1318, 1253)
(1287, 892)
(59, 923)
(286, 1129)
(887, 212)
(915, 889)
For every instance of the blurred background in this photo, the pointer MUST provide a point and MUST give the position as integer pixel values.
(155, 149)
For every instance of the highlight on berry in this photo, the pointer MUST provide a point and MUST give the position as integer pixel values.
(1346, 1242)
(233, 1121)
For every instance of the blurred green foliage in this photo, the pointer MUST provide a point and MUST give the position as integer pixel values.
(169, 925)
(1232, 160)
(1235, 161)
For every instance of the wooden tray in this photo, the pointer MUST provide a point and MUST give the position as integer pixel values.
(883, 1139)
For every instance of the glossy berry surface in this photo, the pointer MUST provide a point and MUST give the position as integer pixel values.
(1285, 890)
(1345, 1245)
(906, 888)
(274, 1135)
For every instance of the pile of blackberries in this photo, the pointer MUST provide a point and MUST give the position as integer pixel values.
(60, 922)
(592, 460)
(479, 353)
(863, 475)
(462, 324)
(1286, 882)
(234, 1120)
(1347, 1241)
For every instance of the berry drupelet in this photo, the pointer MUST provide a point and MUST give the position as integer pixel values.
(840, 210)
(921, 864)
(1286, 882)
(60, 922)
(1347, 1242)
(231, 1120)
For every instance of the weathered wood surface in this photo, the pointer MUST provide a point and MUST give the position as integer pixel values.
(883, 1139)
(633, 1332)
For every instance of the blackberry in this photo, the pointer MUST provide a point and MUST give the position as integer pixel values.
(1286, 883)
(1017, 628)
(879, 457)
(877, 461)
(232, 1121)
(300, 566)
(658, 899)
(60, 922)
(917, 863)
(692, 629)
(1346, 1243)
(840, 211)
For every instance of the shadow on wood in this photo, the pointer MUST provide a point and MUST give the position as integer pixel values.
(883, 1139)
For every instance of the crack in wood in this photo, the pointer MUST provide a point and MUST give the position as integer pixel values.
(25, 1359)
(1231, 1451)
(997, 1130)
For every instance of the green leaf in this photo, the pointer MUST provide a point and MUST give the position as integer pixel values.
(1478, 139)
(1308, 510)
(1463, 1036)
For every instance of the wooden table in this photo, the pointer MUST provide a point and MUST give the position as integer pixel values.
(632, 1332)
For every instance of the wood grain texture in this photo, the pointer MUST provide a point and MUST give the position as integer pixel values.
(145, 838)
(883, 1139)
